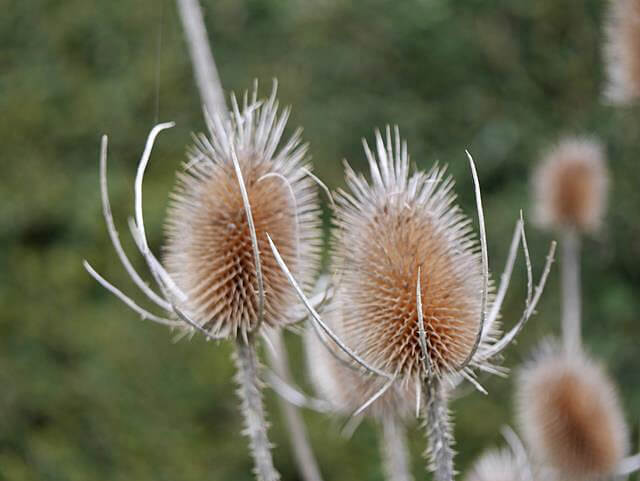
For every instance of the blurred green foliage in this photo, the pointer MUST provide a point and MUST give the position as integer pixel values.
(90, 392)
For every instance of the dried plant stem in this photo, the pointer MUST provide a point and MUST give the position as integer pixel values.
(394, 449)
(439, 431)
(250, 392)
(204, 67)
(571, 298)
(304, 457)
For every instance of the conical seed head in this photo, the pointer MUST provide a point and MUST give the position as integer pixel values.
(387, 232)
(209, 250)
(341, 382)
(570, 186)
(570, 415)
(496, 465)
(622, 51)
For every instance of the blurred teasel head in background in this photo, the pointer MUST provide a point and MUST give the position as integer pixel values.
(497, 465)
(570, 415)
(570, 186)
(622, 51)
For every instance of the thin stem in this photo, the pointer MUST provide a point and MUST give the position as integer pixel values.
(439, 431)
(303, 454)
(204, 66)
(395, 454)
(250, 393)
(571, 298)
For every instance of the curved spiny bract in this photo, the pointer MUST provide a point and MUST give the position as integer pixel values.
(209, 250)
(622, 51)
(570, 186)
(570, 415)
(387, 231)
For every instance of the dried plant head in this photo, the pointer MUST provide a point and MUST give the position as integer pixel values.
(341, 382)
(497, 465)
(570, 415)
(388, 231)
(622, 51)
(570, 186)
(209, 251)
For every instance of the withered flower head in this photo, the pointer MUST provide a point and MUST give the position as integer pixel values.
(570, 415)
(209, 250)
(570, 186)
(622, 51)
(387, 232)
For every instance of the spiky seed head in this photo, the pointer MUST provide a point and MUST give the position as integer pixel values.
(570, 415)
(570, 185)
(340, 381)
(209, 248)
(386, 231)
(622, 51)
(496, 465)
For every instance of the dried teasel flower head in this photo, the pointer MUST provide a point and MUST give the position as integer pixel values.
(622, 51)
(570, 415)
(210, 252)
(341, 382)
(388, 232)
(570, 186)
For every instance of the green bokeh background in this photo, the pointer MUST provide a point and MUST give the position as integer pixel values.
(87, 390)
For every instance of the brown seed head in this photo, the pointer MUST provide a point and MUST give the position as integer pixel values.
(570, 415)
(339, 381)
(209, 250)
(570, 186)
(622, 51)
(388, 230)
(496, 465)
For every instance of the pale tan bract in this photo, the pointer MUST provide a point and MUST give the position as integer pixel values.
(209, 249)
(570, 186)
(622, 51)
(570, 415)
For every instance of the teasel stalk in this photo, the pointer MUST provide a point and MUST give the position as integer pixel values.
(237, 184)
(400, 239)
(622, 52)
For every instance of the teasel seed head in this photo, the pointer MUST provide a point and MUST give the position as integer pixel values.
(389, 230)
(570, 415)
(622, 51)
(209, 250)
(570, 186)
(341, 382)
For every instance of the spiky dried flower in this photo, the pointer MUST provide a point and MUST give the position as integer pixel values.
(496, 465)
(209, 249)
(570, 415)
(570, 185)
(622, 51)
